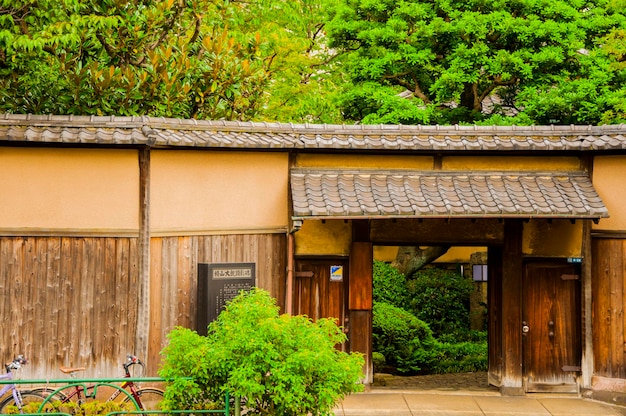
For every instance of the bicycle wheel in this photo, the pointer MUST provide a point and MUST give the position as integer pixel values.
(149, 398)
(47, 391)
(30, 402)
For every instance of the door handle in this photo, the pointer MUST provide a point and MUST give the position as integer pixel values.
(525, 328)
(551, 329)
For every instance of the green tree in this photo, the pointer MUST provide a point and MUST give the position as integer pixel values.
(437, 61)
(306, 74)
(278, 364)
(214, 59)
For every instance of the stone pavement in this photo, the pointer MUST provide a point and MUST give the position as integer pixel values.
(470, 403)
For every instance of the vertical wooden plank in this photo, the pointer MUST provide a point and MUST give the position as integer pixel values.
(616, 277)
(38, 259)
(73, 263)
(601, 308)
(193, 279)
(156, 276)
(88, 292)
(511, 309)
(111, 296)
(183, 307)
(99, 324)
(133, 295)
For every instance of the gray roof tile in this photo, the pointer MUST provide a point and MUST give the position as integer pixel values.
(162, 132)
(320, 193)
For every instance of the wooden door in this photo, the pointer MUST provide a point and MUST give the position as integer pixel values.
(317, 293)
(551, 327)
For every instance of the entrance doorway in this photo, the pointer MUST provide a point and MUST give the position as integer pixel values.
(551, 332)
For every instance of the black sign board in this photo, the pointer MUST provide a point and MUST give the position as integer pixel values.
(219, 283)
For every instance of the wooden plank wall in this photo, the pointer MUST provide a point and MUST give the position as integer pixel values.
(72, 301)
(174, 275)
(68, 301)
(608, 284)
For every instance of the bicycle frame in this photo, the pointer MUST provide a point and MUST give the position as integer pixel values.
(14, 390)
(127, 387)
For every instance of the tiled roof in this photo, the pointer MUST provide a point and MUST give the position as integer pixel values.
(161, 132)
(371, 194)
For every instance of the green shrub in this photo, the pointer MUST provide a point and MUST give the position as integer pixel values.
(405, 341)
(460, 357)
(378, 360)
(278, 364)
(389, 285)
(441, 298)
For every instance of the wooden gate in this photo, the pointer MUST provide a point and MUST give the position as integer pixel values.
(317, 295)
(551, 328)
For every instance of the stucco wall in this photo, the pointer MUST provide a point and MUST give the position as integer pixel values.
(510, 163)
(68, 190)
(609, 177)
(364, 162)
(218, 192)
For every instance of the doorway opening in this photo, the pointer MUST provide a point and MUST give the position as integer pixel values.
(441, 295)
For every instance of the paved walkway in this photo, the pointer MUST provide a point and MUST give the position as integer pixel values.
(469, 403)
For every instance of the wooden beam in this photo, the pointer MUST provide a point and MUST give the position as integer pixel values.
(436, 231)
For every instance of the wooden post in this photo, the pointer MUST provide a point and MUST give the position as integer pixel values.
(360, 296)
(494, 302)
(512, 273)
(143, 305)
(587, 367)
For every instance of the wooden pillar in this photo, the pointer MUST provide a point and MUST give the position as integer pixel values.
(143, 305)
(587, 365)
(494, 303)
(512, 272)
(360, 289)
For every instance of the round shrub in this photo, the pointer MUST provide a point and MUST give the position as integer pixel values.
(405, 341)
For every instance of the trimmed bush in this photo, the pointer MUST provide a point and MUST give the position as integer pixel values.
(405, 341)
(278, 364)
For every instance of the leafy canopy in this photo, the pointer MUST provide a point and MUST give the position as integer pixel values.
(278, 364)
(546, 61)
(215, 59)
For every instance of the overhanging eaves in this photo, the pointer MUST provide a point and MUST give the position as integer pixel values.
(337, 194)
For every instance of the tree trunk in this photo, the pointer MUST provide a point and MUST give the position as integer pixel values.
(412, 258)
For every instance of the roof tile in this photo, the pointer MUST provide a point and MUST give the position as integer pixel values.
(334, 193)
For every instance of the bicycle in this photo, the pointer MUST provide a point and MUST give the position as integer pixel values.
(145, 398)
(18, 399)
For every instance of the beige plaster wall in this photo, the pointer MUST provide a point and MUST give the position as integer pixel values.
(363, 162)
(557, 238)
(330, 238)
(213, 192)
(609, 179)
(81, 190)
(510, 163)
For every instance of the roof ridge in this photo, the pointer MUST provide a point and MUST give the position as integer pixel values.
(303, 128)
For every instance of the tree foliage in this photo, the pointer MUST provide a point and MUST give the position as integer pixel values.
(544, 61)
(215, 59)
(278, 364)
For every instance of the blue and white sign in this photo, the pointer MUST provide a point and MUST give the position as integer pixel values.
(336, 273)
